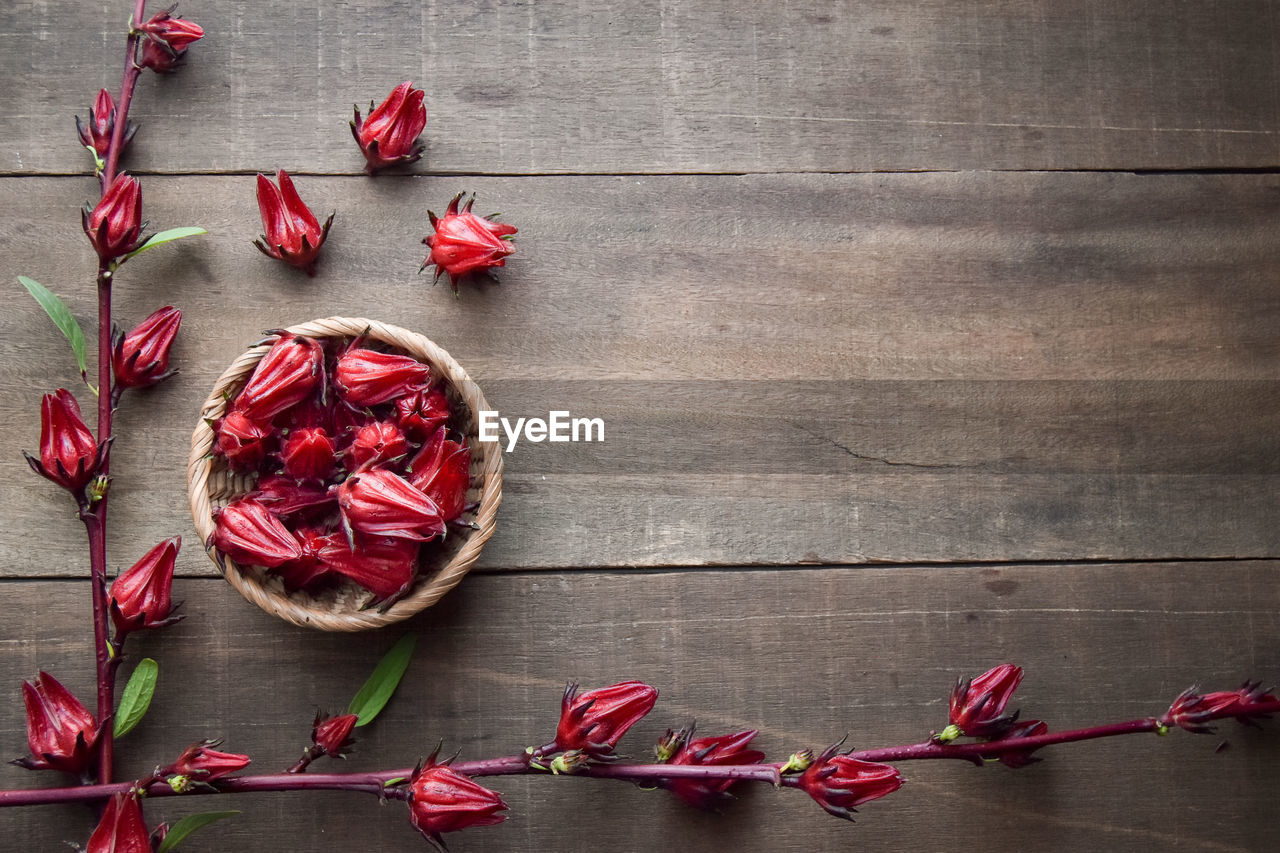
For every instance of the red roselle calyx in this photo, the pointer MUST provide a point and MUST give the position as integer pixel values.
(381, 503)
(839, 783)
(332, 735)
(141, 357)
(102, 121)
(366, 377)
(382, 565)
(61, 732)
(595, 721)
(121, 828)
(464, 243)
(248, 533)
(421, 412)
(442, 471)
(241, 441)
(1194, 711)
(377, 442)
(1024, 729)
(200, 762)
(442, 800)
(166, 40)
(308, 454)
(291, 232)
(69, 456)
(287, 374)
(726, 750)
(115, 223)
(978, 705)
(141, 595)
(390, 134)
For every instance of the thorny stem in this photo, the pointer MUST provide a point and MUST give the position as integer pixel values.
(515, 765)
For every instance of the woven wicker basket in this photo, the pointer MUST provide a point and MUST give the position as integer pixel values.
(343, 608)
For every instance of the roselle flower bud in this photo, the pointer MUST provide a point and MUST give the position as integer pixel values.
(241, 441)
(115, 224)
(442, 471)
(308, 454)
(291, 232)
(595, 721)
(332, 735)
(102, 121)
(839, 783)
(287, 374)
(366, 377)
(978, 705)
(200, 762)
(465, 243)
(140, 595)
(1022, 758)
(141, 357)
(121, 828)
(390, 134)
(442, 800)
(166, 40)
(420, 413)
(381, 503)
(248, 533)
(284, 496)
(377, 442)
(722, 751)
(306, 571)
(383, 566)
(1194, 711)
(60, 730)
(68, 454)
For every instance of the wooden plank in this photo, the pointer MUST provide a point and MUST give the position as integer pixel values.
(671, 86)
(805, 655)
(791, 368)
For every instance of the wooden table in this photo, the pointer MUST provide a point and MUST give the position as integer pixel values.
(927, 336)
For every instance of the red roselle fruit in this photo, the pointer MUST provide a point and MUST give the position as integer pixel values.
(421, 412)
(1024, 729)
(121, 828)
(247, 533)
(200, 762)
(291, 232)
(241, 441)
(308, 454)
(1194, 711)
(726, 750)
(166, 40)
(442, 800)
(332, 735)
(366, 377)
(839, 783)
(380, 441)
(595, 721)
(382, 565)
(141, 595)
(61, 732)
(442, 470)
(69, 456)
(102, 121)
(287, 374)
(115, 224)
(464, 243)
(390, 134)
(977, 707)
(381, 503)
(141, 357)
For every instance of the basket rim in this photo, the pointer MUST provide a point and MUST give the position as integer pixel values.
(291, 607)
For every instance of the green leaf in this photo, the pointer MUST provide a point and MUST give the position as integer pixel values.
(377, 691)
(179, 831)
(61, 317)
(136, 698)
(165, 237)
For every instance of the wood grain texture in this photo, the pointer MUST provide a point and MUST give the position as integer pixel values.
(671, 86)
(831, 369)
(804, 655)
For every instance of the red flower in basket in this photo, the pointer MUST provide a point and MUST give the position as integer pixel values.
(287, 374)
(248, 533)
(366, 377)
(442, 470)
(382, 503)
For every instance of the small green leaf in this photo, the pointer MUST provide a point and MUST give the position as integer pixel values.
(165, 237)
(179, 831)
(377, 691)
(61, 317)
(136, 698)
(391, 783)
(98, 165)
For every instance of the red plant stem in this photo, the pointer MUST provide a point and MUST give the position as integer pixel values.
(127, 84)
(512, 765)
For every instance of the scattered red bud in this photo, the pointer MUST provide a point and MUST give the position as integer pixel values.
(381, 503)
(978, 705)
(102, 121)
(69, 456)
(61, 732)
(241, 441)
(200, 762)
(595, 721)
(332, 735)
(839, 783)
(380, 441)
(442, 470)
(166, 40)
(291, 232)
(141, 595)
(390, 134)
(464, 243)
(121, 828)
(725, 750)
(141, 357)
(114, 225)
(308, 454)
(442, 800)
(248, 533)
(287, 374)
(366, 377)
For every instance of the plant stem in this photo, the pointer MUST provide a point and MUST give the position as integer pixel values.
(976, 752)
(127, 84)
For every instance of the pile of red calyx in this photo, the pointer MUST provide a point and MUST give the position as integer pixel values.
(357, 475)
